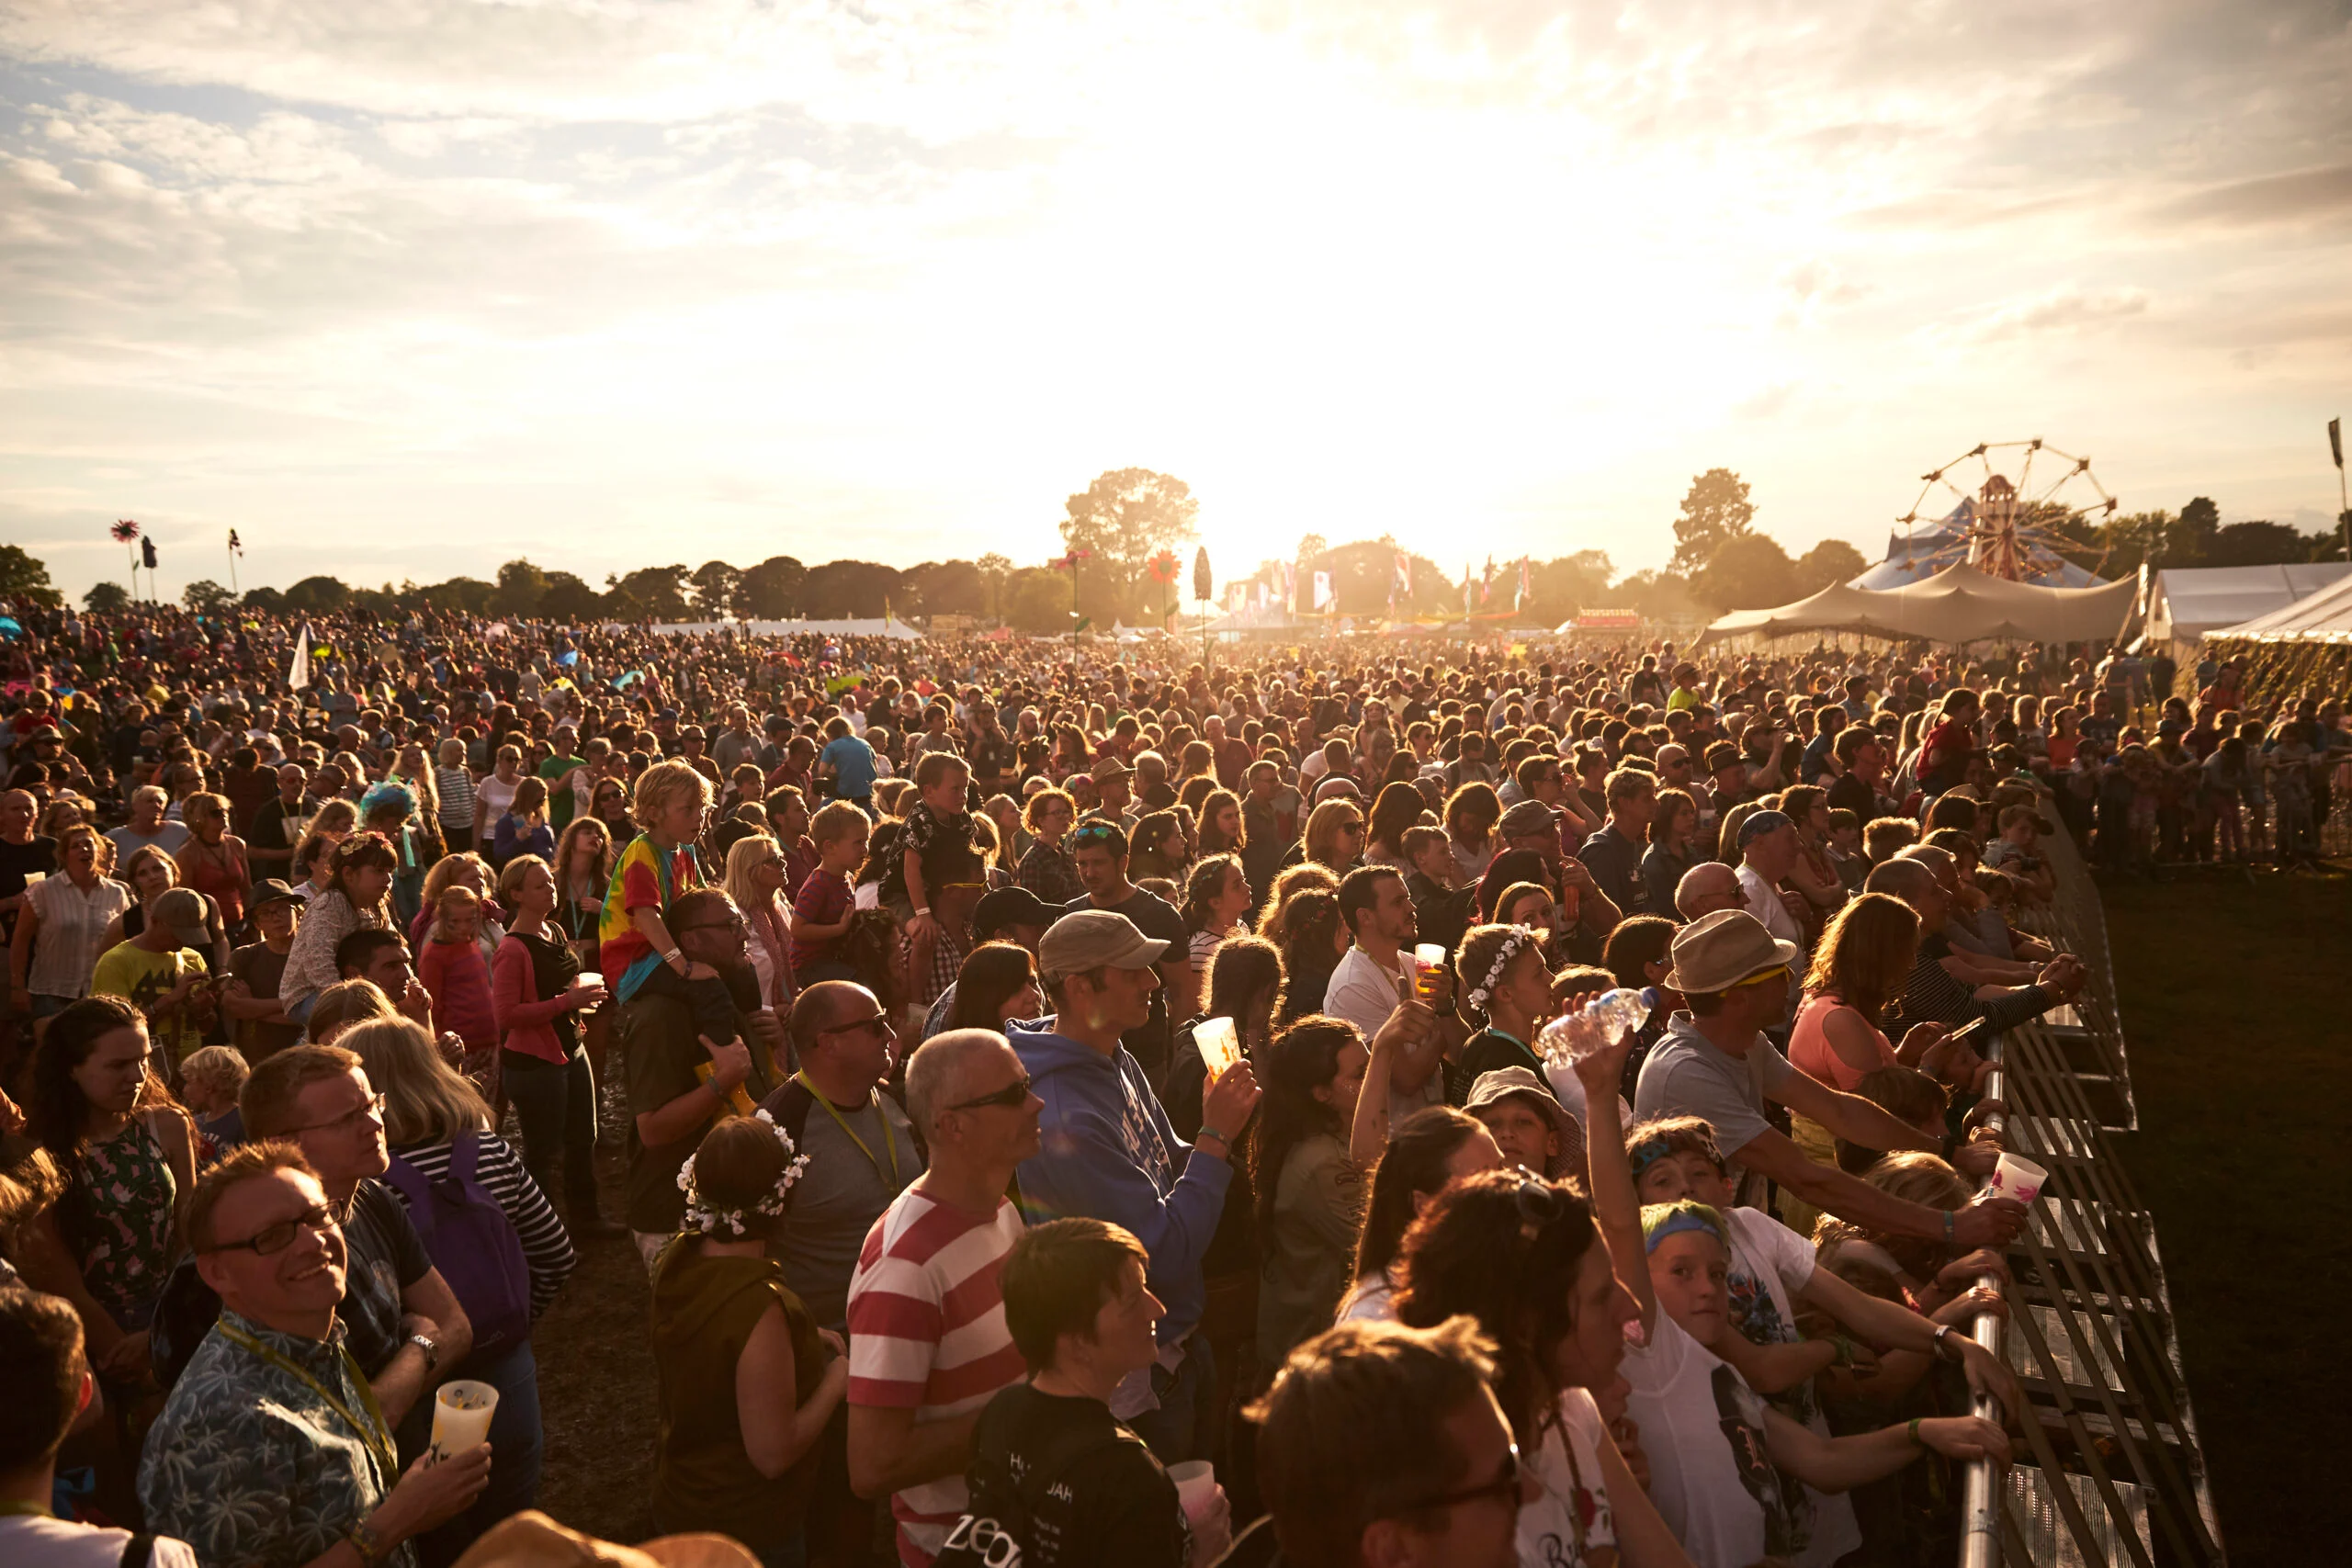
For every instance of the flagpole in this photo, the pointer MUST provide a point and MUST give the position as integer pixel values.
(233, 568)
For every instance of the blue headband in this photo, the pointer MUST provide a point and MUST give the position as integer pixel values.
(1676, 1218)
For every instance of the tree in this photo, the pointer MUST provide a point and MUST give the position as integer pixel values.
(2191, 539)
(2269, 544)
(467, 595)
(718, 588)
(1310, 546)
(1747, 571)
(1036, 600)
(1126, 517)
(2136, 538)
(106, 597)
(521, 588)
(944, 588)
(265, 598)
(655, 592)
(568, 598)
(771, 590)
(24, 579)
(318, 595)
(207, 596)
(995, 569)
(1832, 560)
(848, 590)
(1714, 511)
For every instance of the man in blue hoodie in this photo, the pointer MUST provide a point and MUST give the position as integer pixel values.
(1108, 1153)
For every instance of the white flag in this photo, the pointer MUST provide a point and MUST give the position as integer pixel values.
(298, 673)
(1324, 597)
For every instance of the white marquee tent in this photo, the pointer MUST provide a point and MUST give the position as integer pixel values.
(1959, 604)
(2324, 616)
(2185, 604)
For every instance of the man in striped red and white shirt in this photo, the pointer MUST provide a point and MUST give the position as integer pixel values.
(927, 1338)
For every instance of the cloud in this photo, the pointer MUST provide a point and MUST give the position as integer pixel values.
(2063, 310)
(2321, 195)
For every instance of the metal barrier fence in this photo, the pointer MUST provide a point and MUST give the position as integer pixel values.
(2108, 1470)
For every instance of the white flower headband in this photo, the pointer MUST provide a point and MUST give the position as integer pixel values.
(701, 1218)
(1518, 941)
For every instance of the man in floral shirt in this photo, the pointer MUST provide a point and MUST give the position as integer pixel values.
(272, 1448)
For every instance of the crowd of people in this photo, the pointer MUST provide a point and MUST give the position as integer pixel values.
(1079, 1105)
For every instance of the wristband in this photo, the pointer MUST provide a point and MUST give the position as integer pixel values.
(1951, 1226)
(1914, 1430)
(1213, 1133)
(369, 1543)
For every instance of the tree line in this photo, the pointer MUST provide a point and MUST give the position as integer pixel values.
(1126, 540)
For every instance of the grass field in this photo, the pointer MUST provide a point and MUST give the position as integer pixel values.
(2235, 1016)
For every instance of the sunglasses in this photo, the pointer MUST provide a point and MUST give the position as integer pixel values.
(277, 1238)
(879, 1023)
(1011, 1095)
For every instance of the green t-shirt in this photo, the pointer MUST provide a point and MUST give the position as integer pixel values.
(560, 795)
(129, 971)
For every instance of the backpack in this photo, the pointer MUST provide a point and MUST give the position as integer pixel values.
(472, 1242)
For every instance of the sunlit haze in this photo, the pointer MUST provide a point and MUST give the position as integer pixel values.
(404, 291)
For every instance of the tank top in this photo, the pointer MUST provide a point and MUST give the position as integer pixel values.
(1811, 1053)
(220, 874)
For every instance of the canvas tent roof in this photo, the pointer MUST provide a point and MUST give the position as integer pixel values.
(2186, 602)
(1958, 604)
(2324, 616)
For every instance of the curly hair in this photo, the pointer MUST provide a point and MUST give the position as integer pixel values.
(1503, 1249)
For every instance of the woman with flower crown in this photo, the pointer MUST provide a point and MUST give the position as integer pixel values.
(748, 1379)
(1506, 993)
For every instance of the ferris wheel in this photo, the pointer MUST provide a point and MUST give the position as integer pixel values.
(2003, 527)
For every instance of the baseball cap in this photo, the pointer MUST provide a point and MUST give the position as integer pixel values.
(181, 909)
(1529, 816)
(1504, 1082)
(1096, 939)
(1005, 907)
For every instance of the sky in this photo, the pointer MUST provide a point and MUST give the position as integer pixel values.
(408, 288)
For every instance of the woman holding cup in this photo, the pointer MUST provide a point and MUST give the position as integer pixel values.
(537, 993)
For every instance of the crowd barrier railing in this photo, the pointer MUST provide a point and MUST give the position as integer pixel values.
(2107, 1467)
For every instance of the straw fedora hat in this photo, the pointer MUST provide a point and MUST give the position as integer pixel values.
(531, 1539)
(1716, 951)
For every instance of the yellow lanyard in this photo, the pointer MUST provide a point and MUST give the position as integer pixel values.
(888, 1142)
(374, 1432)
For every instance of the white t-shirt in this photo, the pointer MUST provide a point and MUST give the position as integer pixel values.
(1370, 1301)
(29, 1542)
(1702, 1429)
(1574, 1490)
(1364, 994)
(1770, 1264)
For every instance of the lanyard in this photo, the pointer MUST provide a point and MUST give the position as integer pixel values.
(16, 1506)
(888, 1142)
(373, 1432)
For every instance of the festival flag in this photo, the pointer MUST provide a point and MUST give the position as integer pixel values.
(1290, 586)
(235, 548)
(298, 673)
(1487, 584)
(1526, 586)
(1325, 598)
(1403, 587)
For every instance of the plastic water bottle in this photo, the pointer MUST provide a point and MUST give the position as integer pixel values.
(1605, 1018)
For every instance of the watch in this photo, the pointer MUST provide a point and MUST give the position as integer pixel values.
(431, 1348)
(1941, 1339)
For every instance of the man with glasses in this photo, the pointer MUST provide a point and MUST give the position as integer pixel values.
(404, 1326)
(680, 1080)
(1379, 1444)
(273, 1447)
(1099, 849)
(928, 1343)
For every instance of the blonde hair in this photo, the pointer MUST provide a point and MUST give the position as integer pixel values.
(455, 899)
(665, 784)
(834, 821)
(339, 817)
(444, 871)
(426, 1101)
(218, 1067)
(342, 1004)
(742, 856)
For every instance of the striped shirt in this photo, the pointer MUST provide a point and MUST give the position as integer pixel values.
(927, 1333)
(547, 1246)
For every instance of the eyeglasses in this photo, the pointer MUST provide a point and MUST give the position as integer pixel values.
(1015, 1093)
(277, 1238)
(373, 1107)
(877, 1024)
(1502, 1488)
